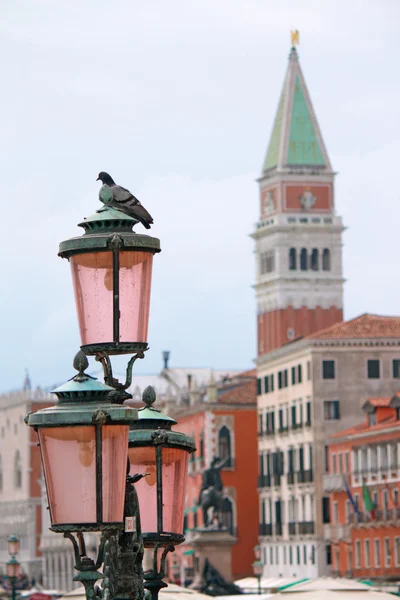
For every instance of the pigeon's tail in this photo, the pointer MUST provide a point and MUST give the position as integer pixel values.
(144, 217)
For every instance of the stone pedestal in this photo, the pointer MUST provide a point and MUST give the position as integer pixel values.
(214, 545)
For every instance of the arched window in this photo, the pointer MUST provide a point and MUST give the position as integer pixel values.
(326, 260)
(224, 446)
(227, 515)
(314, 259)
(303, 260)
(17, 470)
(292, 259)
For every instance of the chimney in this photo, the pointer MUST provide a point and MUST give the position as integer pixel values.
(165, 356)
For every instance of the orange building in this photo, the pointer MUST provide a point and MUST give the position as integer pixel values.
(222, 419)
(364, 485)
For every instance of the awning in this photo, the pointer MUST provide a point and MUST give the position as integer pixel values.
(188, 552)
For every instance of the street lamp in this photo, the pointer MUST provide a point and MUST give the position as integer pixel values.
(13, 566)
(258, 567)
(90, 474)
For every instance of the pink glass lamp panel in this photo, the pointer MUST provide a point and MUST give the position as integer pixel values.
(69, 460)
(13, 569)
(174, 476)
(143, 460)
(114, 461)
(13, 547)
(93, 287)
(134, 286)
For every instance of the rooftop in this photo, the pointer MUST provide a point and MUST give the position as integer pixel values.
(365, 326)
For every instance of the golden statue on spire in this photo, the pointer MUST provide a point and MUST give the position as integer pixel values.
(295, 36)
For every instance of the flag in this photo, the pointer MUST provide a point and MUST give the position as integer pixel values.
(368, 503)
(350, 496)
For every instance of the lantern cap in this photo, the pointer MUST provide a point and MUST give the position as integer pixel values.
(106, 229)
(150, 417)
(12, 538)
(82, 401)
(13, 561)
(153, 428)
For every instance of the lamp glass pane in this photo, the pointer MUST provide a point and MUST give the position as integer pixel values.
(135, 270)
(143, 460)
(114, 461)
(174, 476)
(69, 460)
(93, 287)
(13, 569)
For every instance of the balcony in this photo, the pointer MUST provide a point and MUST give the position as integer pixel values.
(306, 527)
(304, 476)
(292, 528)
(283, 430)
(278, 528)
(296, 426)
(265, 529)
(337, 533)
(334, 482)
(290, 478)
(381, 517)
(276, 480)
(264, 481)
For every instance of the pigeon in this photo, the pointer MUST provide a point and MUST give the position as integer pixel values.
(122, 199)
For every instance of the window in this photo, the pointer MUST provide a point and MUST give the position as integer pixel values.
(303, 260)
(396, 368)
(17, 471)
(326, 260)
(367, 554)
(328, 369)
(299, 374)
(285, 378)
(271, 555)
(395, 497)
(334, 463)
(284, 555)
(271, 382)
(292, 259)
(293, 375)
(224, 446)
(387, 552)
(372, 418)
(1, 475)
(276, 555)
(326, 459)
(397, 551)
(335, 513)
(298, 554)
(291, 554)
(227, 515)
(259, 387)
(326, 509)
(266, 384)
(373, 369)
(314, 259)
(308, 370)
(358, 554)
(328, 553)
(331, 410)
(347, 463)
(377, 552)
(313, 555)
(280, 380)
(304, 555)
(308, 413)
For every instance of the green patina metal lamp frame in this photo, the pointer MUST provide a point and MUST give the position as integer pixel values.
(85, 401)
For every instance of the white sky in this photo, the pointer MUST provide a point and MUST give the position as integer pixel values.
(176, 100)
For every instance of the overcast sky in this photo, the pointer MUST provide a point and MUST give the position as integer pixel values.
(176, 98)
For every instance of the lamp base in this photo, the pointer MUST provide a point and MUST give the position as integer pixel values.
(115, 348)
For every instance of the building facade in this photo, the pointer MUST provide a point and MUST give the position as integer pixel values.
(364, 486)
(20, 474)
(222, 419)
(307, 391)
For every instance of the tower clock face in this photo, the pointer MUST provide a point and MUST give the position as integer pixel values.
(307, 200)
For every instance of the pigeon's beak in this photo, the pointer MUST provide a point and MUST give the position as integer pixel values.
(98, 179)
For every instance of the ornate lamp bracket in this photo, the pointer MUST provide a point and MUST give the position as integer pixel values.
(120, 394)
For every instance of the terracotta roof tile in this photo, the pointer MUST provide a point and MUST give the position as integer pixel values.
(245, 393)
(364, 427)
(363, 327)
(379, 402)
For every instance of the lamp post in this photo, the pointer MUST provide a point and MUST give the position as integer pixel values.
(103, 460)
(13, 566)
(258, 567)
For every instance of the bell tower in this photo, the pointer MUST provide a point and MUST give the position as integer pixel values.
(299, 280)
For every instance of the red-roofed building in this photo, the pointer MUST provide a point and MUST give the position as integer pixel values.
(364, 485)
(222, 419)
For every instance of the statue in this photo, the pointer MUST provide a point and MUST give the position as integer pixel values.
(211, 493)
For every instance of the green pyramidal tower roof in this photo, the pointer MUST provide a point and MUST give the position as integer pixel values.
(296, 139)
